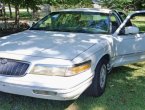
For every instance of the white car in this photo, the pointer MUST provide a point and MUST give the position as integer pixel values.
(68, 52)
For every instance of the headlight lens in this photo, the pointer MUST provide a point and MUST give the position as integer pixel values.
(50, 71)
(60, 71)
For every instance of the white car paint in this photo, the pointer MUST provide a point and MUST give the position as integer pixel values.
(49, 44)
(65, 49)
(89, 10)
(28, 46)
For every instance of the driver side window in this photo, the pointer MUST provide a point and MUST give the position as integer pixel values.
(114, 23)
(139, 21)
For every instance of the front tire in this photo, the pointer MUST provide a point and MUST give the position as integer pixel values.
(98, 85)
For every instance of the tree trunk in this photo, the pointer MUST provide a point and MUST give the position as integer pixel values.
(4, 16)
(17, 17)
(28, 10)
(4, 11)
(10, 10)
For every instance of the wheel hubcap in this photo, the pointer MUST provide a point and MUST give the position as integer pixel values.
(103, 74)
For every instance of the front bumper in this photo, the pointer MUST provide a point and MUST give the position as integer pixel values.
(47, 87)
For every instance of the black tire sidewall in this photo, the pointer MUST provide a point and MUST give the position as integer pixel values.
(96, 89)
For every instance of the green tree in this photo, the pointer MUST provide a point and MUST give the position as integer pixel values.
(124, 4)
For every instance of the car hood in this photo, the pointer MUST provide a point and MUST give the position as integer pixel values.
(63, 45)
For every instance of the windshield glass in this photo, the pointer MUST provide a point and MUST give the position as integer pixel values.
(81, 22)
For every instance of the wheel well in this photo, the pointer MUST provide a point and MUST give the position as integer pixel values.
(107, 57)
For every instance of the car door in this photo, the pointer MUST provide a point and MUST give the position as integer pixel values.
(129, 42)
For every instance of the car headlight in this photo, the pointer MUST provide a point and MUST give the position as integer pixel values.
(61, 71)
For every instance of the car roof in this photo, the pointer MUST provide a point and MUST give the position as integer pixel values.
(107, 11)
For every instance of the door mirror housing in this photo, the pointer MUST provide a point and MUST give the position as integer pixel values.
(131, 30)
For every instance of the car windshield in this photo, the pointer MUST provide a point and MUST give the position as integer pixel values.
(78, 22)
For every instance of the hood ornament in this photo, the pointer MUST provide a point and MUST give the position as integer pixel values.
(4, 61)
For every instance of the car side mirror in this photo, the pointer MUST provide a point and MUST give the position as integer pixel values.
(131, 30)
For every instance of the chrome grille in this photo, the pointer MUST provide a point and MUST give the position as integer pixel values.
(9, 67)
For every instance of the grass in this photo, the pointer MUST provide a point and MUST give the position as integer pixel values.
(125, 91)
(23, 15)
(139, 21)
